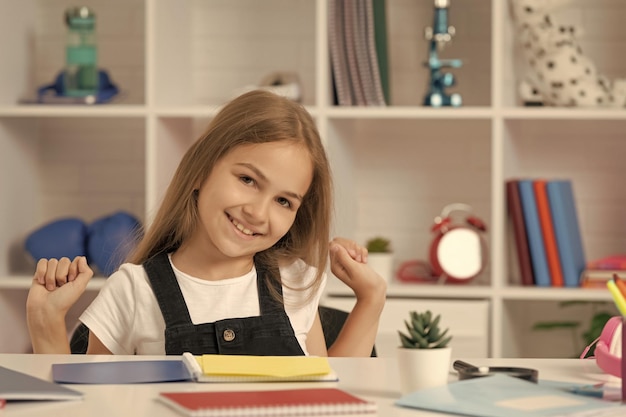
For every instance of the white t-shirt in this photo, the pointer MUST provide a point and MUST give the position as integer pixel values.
(126, 317)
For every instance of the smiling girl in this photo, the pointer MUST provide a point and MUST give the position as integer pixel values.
(235, 259)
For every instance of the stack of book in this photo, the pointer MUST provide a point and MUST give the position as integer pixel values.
(597, 272)
(547, 239)
(358, 52)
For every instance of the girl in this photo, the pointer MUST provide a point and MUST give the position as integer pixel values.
(234, 261)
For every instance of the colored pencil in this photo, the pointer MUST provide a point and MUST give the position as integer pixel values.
(618, 298)
(621, 284)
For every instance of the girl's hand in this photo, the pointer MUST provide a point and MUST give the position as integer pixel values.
(348, 262)
(57, 285)
(356, 251)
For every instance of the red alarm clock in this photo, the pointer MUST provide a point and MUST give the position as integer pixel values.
(458, 251)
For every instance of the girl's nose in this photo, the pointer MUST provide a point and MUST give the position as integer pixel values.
(257, 210)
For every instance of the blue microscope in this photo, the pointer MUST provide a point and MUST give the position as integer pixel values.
(438, 36)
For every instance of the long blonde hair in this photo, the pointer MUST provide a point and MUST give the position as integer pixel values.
(252, 118)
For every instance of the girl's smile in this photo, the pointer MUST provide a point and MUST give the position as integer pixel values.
(241, 227)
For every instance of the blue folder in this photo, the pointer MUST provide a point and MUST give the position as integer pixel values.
(18, 386)
(121, 372)
(505, 396)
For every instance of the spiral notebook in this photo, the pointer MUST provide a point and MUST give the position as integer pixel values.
(288, 402)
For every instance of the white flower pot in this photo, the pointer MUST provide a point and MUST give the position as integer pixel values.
(382, 264)
(423, 368)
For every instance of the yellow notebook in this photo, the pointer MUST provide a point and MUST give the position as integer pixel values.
(245, 368)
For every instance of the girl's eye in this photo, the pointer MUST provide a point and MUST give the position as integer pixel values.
(284, 202)
(246, 180)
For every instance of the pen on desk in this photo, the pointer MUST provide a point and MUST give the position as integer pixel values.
(618, 298)
(598, 391)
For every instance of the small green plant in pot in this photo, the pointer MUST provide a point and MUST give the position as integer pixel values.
(424, 332)
(378, 245)
(424, 355)
(380, 256)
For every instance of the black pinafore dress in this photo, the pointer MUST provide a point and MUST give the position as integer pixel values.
(270, 333)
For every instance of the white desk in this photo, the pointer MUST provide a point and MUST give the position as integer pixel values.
(372, 378)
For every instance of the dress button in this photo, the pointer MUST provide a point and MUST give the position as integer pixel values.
(229, 335)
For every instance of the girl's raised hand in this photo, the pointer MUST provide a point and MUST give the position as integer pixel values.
(356, 251)
(348, 262)
(57, 285)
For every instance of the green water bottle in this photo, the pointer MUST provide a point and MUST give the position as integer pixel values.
(81, 53)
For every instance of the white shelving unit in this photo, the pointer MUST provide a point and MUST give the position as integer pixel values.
(395, 167)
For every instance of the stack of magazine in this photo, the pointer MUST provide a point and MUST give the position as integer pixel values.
(358, 53)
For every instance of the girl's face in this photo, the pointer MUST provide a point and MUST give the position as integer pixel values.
(250, 199)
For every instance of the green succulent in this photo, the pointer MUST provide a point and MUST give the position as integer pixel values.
(378, 245)
(424, 332)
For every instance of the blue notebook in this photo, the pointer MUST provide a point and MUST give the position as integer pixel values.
(503, 395)
(538, 258)
(567, 230)
(121, 372)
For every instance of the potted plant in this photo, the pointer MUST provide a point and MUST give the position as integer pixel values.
(380, 256)
(424, 355)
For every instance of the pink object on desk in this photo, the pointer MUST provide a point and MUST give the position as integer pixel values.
(608, 352)
(623, 361)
